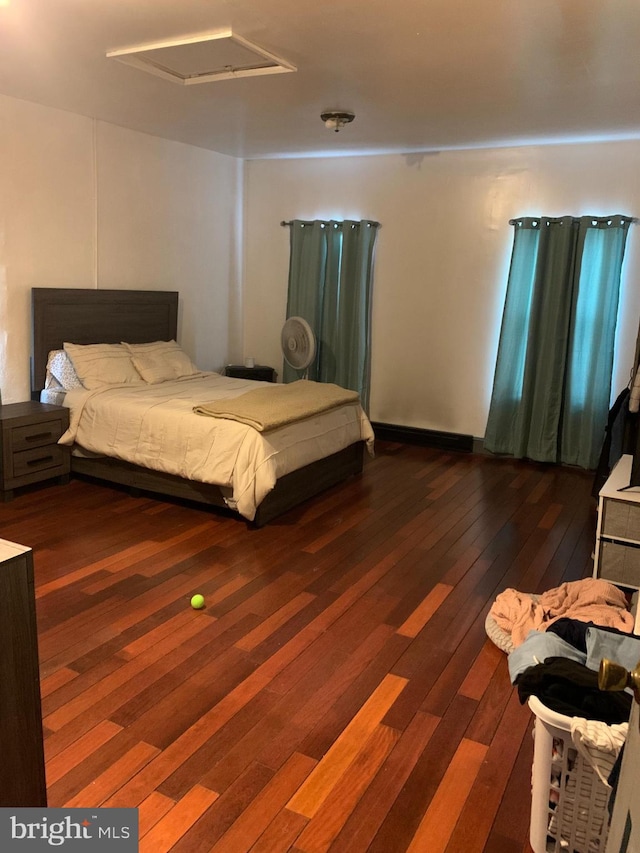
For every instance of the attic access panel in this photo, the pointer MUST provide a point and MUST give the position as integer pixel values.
(203, 59)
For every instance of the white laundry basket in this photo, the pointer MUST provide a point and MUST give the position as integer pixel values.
(569, 801)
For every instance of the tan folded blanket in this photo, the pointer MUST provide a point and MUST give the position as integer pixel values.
(277, 405)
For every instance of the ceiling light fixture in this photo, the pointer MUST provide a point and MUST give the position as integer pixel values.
(336, 119)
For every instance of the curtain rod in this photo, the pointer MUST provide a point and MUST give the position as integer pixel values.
(310, 222)
(631, 219)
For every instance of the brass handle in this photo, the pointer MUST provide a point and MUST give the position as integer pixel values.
(613, 676)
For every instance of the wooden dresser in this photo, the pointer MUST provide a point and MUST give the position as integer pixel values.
(22, 774)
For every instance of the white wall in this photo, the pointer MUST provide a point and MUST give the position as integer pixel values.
(87, 204)
(168, 219)
(46, 222)
(441, 262)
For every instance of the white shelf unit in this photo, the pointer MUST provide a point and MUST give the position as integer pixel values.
(617, 552)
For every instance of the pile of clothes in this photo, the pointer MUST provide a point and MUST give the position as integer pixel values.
(558, 641)
(555, 642)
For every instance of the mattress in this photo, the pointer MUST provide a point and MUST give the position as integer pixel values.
(155, 426)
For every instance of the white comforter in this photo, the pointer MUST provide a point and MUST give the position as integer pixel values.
(154, 426)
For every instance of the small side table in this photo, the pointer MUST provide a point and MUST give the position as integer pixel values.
(29, 449)
(261, 372)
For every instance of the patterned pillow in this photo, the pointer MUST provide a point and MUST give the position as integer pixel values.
(61, 372)
(51, 383)
(98, 365)
(161, 361)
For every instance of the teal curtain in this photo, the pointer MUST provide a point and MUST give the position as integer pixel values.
(552, 383)
(330, 285)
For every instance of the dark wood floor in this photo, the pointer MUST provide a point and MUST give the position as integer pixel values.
(337, 693)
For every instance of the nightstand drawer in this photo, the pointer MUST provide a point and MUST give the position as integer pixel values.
(39, 459)
(35, 435)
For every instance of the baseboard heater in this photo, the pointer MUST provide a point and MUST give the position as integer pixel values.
(426, 437)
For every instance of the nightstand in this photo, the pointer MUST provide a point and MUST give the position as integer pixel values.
(29, 452)
(259, 371)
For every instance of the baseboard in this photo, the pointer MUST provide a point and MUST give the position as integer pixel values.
(478, 446)
(426, 437)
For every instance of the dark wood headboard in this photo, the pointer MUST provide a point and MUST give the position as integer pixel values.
(82, 316)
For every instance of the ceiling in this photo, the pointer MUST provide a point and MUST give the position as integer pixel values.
(419, 75)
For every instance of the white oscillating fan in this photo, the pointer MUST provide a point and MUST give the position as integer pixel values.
(298, 343)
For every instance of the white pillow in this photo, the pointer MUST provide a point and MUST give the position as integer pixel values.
(98, 365)
(161, 361)
(61, 372)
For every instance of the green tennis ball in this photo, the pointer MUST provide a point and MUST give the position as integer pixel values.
(197, 602)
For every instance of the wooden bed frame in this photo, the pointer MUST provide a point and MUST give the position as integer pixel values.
(140, 316)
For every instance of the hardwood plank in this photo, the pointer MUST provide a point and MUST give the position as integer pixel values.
(344, 711)
(473, 828)
(222, 759)
(512, 821)
(275, 621)
(246, 830)
(60, 764)
(166, 628)
(281, 833)
(436, 826)
(129, 671)
(122, 559)
(350, 631)
(317, 706)
(412, 626)
(154, 682)
(448, 682)
(151, 810)
(228, 808)
(550, 517)
(165, 721)
(179, 546)
(185, 745)
(315, 791)
(434, 661)
(500, 844)
(481, 671)
(88, 648)
(405, 813)
(491, 706)
(333, 813)
(139, 607)
(372, 808)
(348, 523)
(178, 665)
(111, 780)
(56, 680)
(178, 820)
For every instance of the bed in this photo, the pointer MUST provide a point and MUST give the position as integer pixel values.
(298, 460)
